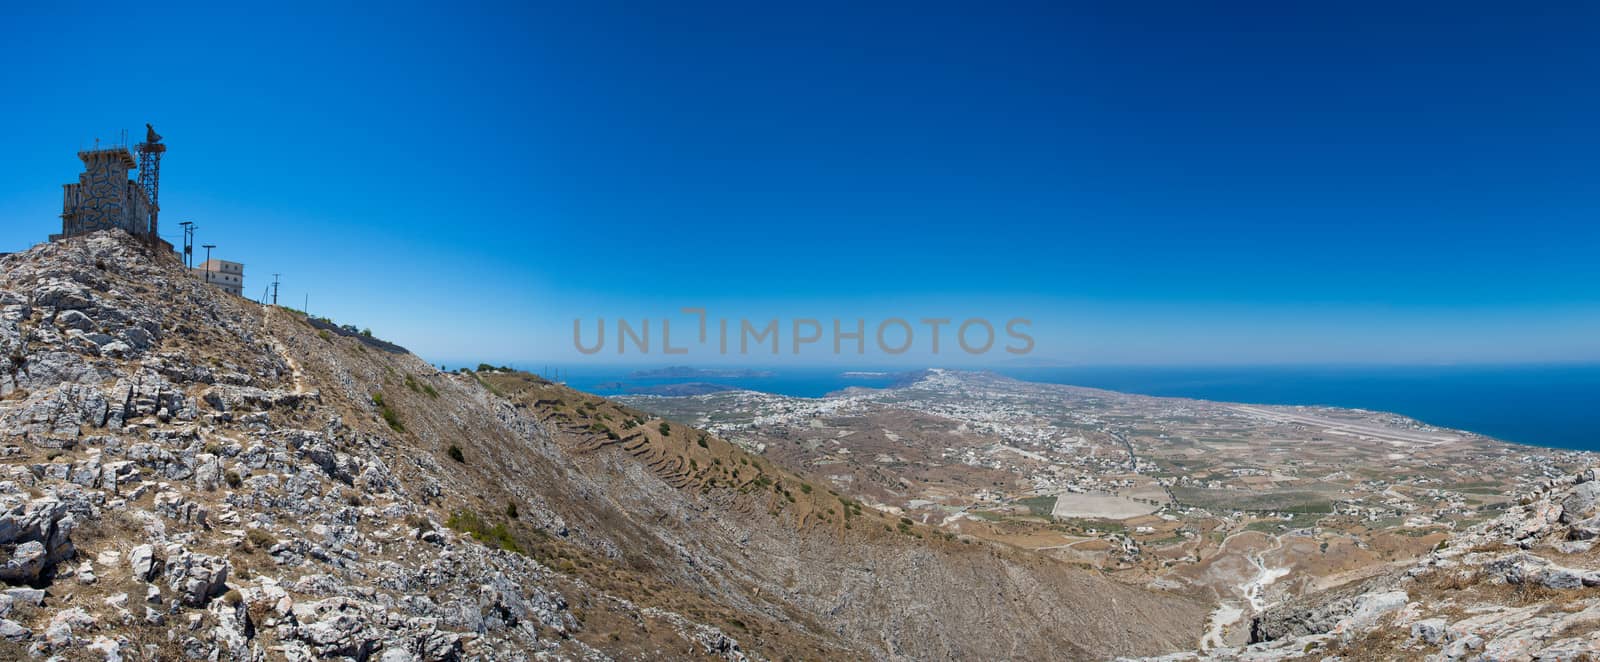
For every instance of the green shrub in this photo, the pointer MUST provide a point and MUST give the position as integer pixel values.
(665, 428)
(511, 510)
(259, 538)
(702, 442)
(455, 454)
(388, 413)
(498, 535)
(234, 481)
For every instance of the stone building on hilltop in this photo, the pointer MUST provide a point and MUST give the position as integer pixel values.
(105, 198)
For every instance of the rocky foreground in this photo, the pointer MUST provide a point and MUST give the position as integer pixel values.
(151, 495)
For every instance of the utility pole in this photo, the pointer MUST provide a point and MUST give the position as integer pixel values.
(208, 248)
(188, 243)
(274, 289)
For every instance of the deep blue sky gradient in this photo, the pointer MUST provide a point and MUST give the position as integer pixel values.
(1150, 182)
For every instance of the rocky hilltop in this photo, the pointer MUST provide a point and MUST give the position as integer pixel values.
(185, 474)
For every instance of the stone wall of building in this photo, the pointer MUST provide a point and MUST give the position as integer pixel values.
(104, 197)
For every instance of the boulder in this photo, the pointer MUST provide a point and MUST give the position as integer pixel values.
(1561, 578)
(196, 577)
(1585, 529)
(1429, 631)
(207, 471)
(1369, 608)
(1580, 502)
(14, 631)
(144, 563)
(25, 563)
(73, 319)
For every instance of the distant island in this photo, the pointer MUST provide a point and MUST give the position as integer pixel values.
(673, 390)
(686, 372)
(897, 379)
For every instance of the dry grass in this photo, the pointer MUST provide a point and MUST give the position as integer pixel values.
(1476, 587)
(1381, 644)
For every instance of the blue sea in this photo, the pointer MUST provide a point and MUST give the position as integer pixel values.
(1543, 405)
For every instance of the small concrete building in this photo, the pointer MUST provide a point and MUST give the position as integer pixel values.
(224, 274)
(105, 198)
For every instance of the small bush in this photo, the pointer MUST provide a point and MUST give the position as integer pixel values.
(469, 523)
(259, 539)
(388, 413)
(232, 597)
(664, 428)
(455, 454)
(233, 479)
(511, 510)
(702, 442)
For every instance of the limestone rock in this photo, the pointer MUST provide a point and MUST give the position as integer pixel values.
(1580, 503)
(143, 562)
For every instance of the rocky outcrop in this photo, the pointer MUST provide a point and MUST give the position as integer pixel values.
(1524, 586)
(35, 535)
(1315, 614)
(155, 441)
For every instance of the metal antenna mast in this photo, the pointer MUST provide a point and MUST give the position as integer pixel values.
(150, 152)
(274, 289)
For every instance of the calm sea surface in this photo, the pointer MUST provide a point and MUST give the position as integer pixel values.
(1545, 405)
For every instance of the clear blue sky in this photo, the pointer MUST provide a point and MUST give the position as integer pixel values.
(1168, 183)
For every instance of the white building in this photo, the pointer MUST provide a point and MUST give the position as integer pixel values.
(229, 276)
